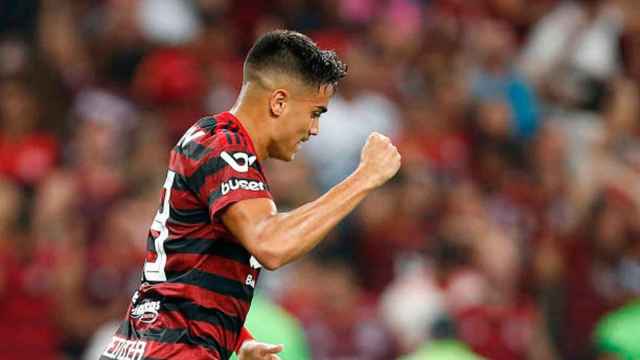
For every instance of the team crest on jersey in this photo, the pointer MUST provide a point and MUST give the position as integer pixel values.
(147, 312)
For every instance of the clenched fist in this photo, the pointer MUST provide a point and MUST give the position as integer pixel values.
(254, 350)
(379, 161)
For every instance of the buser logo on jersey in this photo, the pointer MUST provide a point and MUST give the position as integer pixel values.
(235, 184)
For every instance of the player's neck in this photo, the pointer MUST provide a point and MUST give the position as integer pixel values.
(250, 120)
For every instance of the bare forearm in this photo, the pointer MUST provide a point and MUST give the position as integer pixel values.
(288, 236)
(276, 239)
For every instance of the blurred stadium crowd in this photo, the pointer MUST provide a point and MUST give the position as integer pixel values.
(514, 225)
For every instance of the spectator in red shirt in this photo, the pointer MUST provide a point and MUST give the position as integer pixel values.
(26, 154)
(27, 286)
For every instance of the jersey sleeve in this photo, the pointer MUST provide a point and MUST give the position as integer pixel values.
(231, 175)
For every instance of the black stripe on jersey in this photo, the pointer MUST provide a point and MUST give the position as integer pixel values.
(151, 243)
(213, 283)
(126, 331)
(189, 216)
(182, 336)
(197, 179)
(225, 131)
(195, 312)
(228, 129)
(207, 123)
(193, 150)
(237, 138)
(227, 250)
(181, 182)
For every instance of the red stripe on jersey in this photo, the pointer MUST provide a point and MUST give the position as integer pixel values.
(182, 199)
(183, 164)
(175, 320)
(214, 232)
(216, 265)
(158, 350)
(203, 297)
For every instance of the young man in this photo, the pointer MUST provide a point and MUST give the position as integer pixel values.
(217, 224)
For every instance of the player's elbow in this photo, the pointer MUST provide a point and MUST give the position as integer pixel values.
(270, 257)
(269, 262)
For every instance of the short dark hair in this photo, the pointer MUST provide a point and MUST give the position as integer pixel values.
(296, 54)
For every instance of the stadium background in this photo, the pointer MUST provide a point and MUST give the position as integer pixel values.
(513, 226)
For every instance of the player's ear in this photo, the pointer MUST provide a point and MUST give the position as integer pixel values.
(278, 102)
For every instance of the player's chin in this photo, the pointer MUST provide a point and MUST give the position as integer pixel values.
(286, 156)
(287, 152)
(291, 156)
(293, 151)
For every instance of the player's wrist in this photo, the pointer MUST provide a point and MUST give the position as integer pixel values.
(362, 180)
(244, 337)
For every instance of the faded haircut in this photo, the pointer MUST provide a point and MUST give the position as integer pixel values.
(295, 54)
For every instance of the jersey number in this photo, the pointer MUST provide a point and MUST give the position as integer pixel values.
(154, 271)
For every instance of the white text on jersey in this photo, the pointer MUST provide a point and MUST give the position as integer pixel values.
(245, 159)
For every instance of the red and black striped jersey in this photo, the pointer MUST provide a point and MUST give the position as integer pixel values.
(197, 276)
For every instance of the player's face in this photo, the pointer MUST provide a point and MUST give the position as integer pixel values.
(300, 121)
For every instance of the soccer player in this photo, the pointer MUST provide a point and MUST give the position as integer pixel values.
(217, 224)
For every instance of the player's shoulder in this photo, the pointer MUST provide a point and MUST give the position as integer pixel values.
(217, 139)
(226, 134)
(216, 134)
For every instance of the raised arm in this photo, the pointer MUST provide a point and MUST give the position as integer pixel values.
(277, 239)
